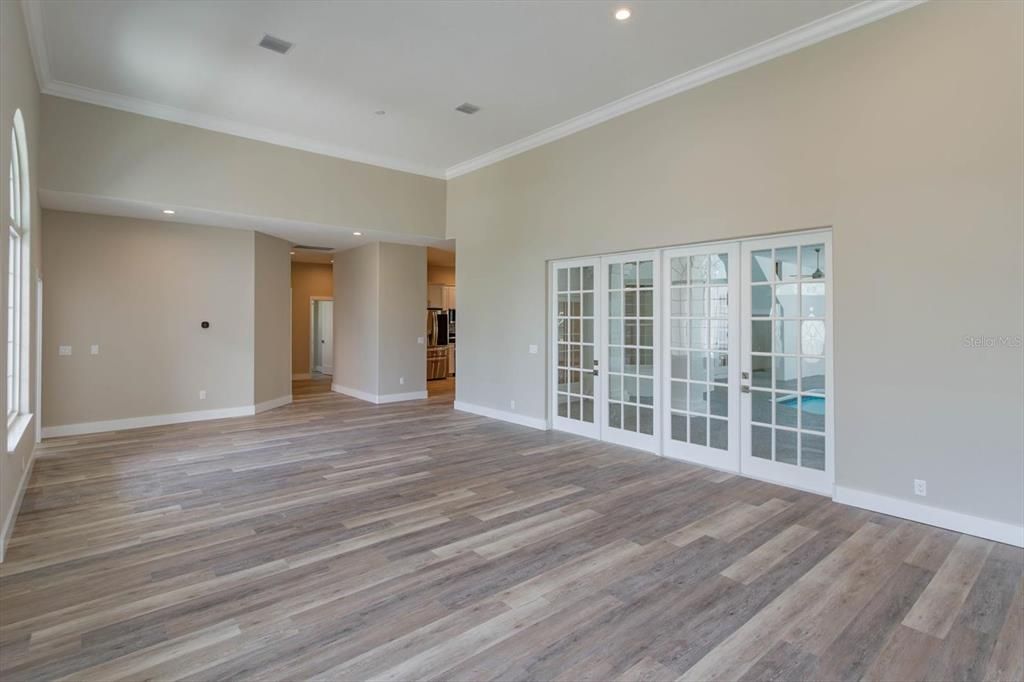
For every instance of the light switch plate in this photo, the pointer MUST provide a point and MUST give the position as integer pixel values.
(64, 350)
(94, 349)
(419, 340)
(533, 349)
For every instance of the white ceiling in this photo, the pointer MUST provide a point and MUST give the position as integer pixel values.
(537, 69)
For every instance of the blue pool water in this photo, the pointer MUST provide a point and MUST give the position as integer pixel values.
(813, 404)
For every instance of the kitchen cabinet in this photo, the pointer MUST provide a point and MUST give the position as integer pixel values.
(435, 296)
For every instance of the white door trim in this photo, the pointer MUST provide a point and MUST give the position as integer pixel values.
(577, 427)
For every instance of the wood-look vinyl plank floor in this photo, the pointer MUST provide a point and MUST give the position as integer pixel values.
(332, 539)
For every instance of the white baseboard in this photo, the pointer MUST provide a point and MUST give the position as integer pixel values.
(296, 377)
(521, 419)
(989, 529)
(378, 399)
(141, 422)
(12, 515)
(271, 404)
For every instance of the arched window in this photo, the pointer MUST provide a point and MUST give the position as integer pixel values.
(20, 210)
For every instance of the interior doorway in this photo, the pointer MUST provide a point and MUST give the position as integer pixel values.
(321, 352)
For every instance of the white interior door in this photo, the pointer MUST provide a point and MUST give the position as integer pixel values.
(786, 403)
(701, 342)
(325, 322)
(629, 357)
(575, 337)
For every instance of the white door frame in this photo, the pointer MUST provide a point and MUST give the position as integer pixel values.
(739, 343)
(313, 300)
(574, 426)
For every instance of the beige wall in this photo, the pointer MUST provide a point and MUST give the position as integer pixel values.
(356, 318)
(140, 289)
(97, 151)
(18, 90)
(439, 274)
(905, 136)
(403, 295)
(308, 280)
(272, 338)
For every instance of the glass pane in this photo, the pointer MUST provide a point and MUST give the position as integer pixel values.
(812, 299)
(563, 330)
(563, 380)
(718, 434)
(588, 277)
(761, 371)
(587, 381)
(719, 367)
(646, 418)
(588, 410)
(574, 381)
(563, 355)
(574, 279)
(574, 305)
(699, 366)
(718, 268)
(574, 355)
(812, 451)
(785, 446)
(574, 408)
(761, 442)
(614, 331)
(680, 334)
(787, 300)
(761, 336)
(680, 267)
(563, 279)
(679, 364)
(563, 305)
(563, 405)
(630, 304)
(698, 269)
(699, 398)
(699, 430)
(615, 304)
(812, 412)
(614, 276)
(645, 389)
(699, 334)
(646, 362)
(761, 301)
(588, 331)
(615, 387)
(761, 266)
(786, 409)
(719, 401)
(698, 301)
(680, 302)
(679, 427)
(786, 374)
(646, 333)
(812, 262)
(629, 329)
(629, 363)
(785, 263)
(761, 406)
(629, 417)
(614, 359)
(629, 275)
(615, 415)
(812, 337)
(588, 304)
(719, 297)
(574, 330)
(785, 336)
(812, 374)
(646, 273)
(678, 395)
(629, 389)
(646, 303)
(719, 333)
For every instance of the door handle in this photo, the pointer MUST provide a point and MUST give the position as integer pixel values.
(595, 371)
(744, 389)
(744, 375)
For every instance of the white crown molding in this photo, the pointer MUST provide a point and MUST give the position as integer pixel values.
(790, 41)
(33, 13)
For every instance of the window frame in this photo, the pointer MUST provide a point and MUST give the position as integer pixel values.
(18, 225)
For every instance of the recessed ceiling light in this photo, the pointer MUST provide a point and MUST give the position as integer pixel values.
(169, 211)
(357, 234)
(623, 13)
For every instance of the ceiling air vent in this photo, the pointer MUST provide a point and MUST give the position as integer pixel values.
(275, 44)
(312, 248)
(467, 108)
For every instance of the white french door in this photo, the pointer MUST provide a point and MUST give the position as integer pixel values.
(702, 348)
(629, 357)
(787, 402)
(718, 354)
(575, 308)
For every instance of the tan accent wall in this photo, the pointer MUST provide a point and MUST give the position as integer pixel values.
(19, 90)
(104, 152)
(439, 274)
(272, 336)
(905, 136)
(357, 318)
(140, 289)
(403, 295)
(308, 280)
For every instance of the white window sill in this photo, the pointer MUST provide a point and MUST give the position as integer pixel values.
(16, 430)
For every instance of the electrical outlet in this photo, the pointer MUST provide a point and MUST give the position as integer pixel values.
(401, 380)
(202, 395)
(533, 349)
(64, 350)
(512, 404)
(920, 487)
(94, 349)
